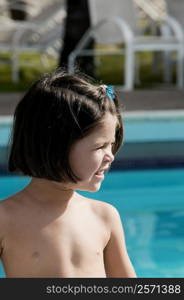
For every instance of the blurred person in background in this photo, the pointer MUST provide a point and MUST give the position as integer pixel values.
(76, 24)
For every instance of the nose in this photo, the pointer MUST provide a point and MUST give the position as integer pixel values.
(109, 156)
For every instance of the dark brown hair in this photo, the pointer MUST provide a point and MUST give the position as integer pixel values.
(57, 110)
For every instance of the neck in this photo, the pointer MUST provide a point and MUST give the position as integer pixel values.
(49, 192)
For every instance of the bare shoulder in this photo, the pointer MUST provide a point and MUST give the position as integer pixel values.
(7, 210)
(107, 211)
(8, 205)
(3, 211)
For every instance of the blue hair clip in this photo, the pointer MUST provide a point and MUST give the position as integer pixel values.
(110, 92)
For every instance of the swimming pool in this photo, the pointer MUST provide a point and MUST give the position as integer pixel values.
(151, 205)
(152, 140)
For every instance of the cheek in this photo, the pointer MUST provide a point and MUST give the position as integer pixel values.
(86, 163)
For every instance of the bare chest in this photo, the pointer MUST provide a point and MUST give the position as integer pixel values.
(60, 249)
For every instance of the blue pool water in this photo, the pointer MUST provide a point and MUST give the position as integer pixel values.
(146, 129)
(151, 205)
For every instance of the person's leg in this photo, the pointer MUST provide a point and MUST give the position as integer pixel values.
(76, 24)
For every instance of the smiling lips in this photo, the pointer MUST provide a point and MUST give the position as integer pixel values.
(101, 172)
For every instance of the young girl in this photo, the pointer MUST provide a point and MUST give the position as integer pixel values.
(66, 132)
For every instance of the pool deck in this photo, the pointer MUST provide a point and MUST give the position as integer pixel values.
(135, 101)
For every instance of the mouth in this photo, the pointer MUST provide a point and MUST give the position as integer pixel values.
(99, 176)
(100, 173)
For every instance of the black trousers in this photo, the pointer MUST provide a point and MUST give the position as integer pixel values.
(77, 22)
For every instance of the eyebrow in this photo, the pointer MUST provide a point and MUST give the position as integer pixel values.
(105, 142)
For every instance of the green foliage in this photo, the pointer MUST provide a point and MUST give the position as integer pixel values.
(31, 69)
(109, 69)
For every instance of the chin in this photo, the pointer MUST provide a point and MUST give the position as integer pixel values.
(90, 188)
(94, 189)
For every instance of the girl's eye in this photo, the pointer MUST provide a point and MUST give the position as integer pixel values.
(105, 145)
(101, 147)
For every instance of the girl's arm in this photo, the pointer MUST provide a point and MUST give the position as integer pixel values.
(116, 259)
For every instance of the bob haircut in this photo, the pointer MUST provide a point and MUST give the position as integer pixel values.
(58, 110)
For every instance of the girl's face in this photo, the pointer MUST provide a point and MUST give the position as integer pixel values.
(92, 155)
